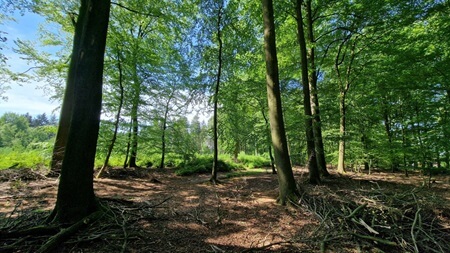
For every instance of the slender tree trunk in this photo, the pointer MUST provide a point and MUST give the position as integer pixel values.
(117, 121)
(344, 86)
(272, 160)
(314, 175)
(127, 152)
(134, 118)
(287, 187)
(163, 135)
(342, 133)
(315, 111)
(215, 168)
(75, 198)
(134, 138)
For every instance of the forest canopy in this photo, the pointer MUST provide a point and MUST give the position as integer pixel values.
(379, 68)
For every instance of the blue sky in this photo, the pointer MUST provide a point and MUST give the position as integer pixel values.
(25, 98)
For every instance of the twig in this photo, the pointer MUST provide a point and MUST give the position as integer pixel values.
(160, 203)
(355, 211)
(376, 239)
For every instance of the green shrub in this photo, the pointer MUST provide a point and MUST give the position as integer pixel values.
(253, 161)
(23, 158)
(203, 164)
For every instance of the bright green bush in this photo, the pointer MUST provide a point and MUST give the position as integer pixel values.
(24, 158)
(203, 164)
(253, 161)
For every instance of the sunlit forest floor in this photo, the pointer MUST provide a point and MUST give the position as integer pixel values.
(157, 211)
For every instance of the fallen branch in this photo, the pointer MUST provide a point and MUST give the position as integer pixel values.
(376, 239)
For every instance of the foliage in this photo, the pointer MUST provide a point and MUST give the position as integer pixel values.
(203, 164)
(392, 54)
(254, 161)
(33, 158)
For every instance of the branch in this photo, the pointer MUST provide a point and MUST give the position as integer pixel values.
(135, 11)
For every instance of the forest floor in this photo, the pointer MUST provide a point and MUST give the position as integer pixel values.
(157, 211)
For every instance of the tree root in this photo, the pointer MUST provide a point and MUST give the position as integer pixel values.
(66, 233)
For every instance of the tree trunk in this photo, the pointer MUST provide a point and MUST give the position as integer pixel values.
(116, 123)
(315, 111)
(287, 187)
(344, 86)
(163, 135)
(75, 198)
(215, 168)
(127, 152)
(272, 160)
(314, 175)
(342, 133)
(66, 113)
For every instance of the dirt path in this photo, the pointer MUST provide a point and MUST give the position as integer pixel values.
(161, 212)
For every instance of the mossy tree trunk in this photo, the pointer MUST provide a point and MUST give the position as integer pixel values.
(75, 198)
(287, 186)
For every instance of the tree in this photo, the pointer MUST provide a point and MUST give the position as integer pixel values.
(287, 187)
(76, 198)
(215, 167)
(117, 119)
(312, 164)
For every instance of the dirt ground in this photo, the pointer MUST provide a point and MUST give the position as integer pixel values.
(156, 211)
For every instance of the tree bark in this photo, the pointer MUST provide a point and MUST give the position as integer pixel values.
(342, 133)
(213, 178)
(65, 114)
(134, 118)
(163, 135)
(315, 111)
(127, 151)
(272, 160)
(287, 187)
(76, 198)
(314, 175)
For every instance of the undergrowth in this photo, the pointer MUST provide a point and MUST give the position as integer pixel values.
(204, 163)
(23, 158)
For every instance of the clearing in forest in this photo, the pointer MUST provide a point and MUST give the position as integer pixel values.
(157, 211)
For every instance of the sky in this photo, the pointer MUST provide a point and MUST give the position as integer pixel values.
(26, 97)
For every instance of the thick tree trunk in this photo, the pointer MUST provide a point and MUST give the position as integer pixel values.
(287, 187)
(315, 111)
(215, 168)
(314, 175)
(117, 121)
(66, 113)
(75, 198)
